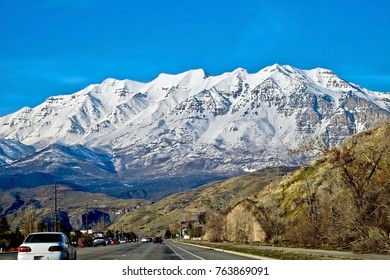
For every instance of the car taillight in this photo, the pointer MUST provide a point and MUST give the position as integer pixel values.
(55, 248)
(24, 249)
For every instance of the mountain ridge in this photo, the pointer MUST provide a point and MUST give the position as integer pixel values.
(196, 124)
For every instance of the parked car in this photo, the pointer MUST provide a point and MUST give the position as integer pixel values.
(157, 239)
(99, 241)
(47, 246)
(146, 239)
(86, 243)
(123, 240)
(114, 241)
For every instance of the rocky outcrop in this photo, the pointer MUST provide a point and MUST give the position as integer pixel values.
(243, 223)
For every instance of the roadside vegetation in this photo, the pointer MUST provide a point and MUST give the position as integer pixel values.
(271, 252)
(9, 239)
(342, 200)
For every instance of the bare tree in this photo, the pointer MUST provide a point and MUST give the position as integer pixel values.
(364, 171)
(28, 224)
(216, 226)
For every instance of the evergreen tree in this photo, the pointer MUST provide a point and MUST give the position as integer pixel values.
(4, 226)
(109, 233)
(4, 233)
(42, 226)
(167, 234)
(16, 238)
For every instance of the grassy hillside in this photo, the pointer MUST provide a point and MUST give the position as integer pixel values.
(216, 196)
(20, 205)
(341, 200)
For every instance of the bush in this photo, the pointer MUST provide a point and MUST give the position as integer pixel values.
(376, 242)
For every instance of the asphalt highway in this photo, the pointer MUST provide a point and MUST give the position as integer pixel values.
(147, 251)
(151, 251)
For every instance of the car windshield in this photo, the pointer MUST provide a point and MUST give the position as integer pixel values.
(43, 238)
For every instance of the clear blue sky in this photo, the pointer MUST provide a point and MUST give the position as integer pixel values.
(51, 47)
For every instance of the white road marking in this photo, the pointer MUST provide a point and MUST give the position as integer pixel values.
(196, 256)
(175, 252)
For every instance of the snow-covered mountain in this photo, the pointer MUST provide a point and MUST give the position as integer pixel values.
(194, 123)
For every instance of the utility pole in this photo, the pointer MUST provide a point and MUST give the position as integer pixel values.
(55, 206)
(86, 216)
(32, 218)
(114, 224)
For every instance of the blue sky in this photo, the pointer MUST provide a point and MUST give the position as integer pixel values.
(59, 47)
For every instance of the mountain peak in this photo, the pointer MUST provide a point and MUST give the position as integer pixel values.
(240, 71)
(277, 68)
(274, 67)
(110, 81)
(320, 70)
(197, 73)
(328, 79)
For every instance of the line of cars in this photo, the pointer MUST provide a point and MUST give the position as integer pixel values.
(102, 241)
(155, 239)
(113, 241)
(56, 245)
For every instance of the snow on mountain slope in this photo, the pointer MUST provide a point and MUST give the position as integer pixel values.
(57, 156)
(193, 122)
(11, 150)
(75, 165)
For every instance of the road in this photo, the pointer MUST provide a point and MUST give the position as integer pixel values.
(147, 251)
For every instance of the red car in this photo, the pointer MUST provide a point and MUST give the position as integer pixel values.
(114, 241)
(86, 243)
(157, 239)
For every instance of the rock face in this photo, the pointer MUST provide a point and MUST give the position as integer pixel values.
(190, 125)
(243, 223)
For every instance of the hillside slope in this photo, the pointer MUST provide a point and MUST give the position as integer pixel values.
(21, 206)
(191, 205)
(341, 200)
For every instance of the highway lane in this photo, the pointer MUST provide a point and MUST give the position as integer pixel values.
(147, 251)
(8, 256)
(150, 251)
(188, 252)
(129, 251)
